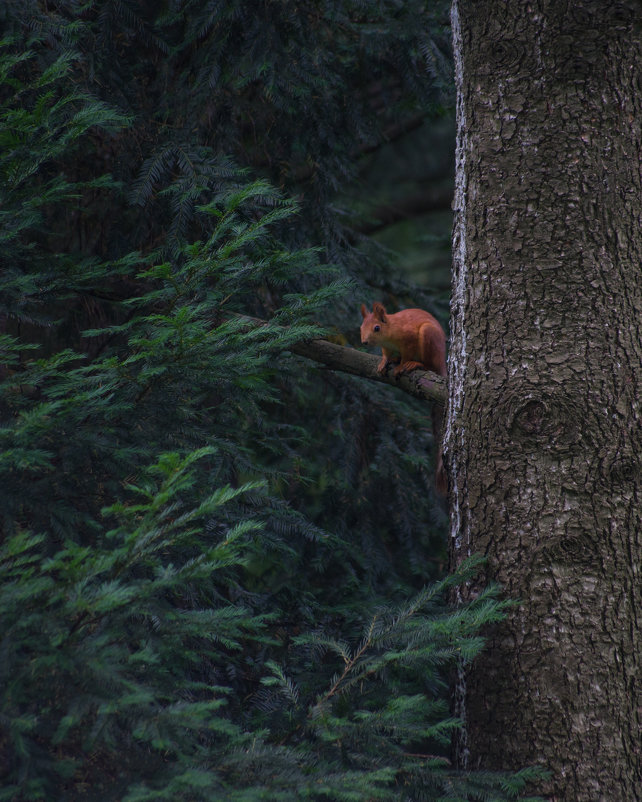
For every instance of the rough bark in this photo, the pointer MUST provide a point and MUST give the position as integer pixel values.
(543, 434)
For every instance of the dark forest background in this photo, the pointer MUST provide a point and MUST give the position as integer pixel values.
(222, 566)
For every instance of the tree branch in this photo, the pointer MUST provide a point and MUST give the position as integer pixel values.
(434, 198)
(389, 135)
(423, 384)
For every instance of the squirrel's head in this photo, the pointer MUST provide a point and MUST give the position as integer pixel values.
(373, 323)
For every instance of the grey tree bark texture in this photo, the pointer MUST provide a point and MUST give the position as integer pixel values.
(543, 438)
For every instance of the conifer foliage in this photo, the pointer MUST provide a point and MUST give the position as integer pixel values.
(206, 588)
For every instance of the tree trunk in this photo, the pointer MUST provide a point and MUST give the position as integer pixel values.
(543, 436)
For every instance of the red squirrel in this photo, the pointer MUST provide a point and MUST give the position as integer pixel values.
(412, 338)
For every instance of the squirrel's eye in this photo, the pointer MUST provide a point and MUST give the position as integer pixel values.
(376, 328)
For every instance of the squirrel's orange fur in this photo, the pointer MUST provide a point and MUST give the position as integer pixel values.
(413, 338)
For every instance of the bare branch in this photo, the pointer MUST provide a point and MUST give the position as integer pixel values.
(422, 384)
(433, 198)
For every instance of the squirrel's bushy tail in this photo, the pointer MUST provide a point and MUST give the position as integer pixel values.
(441, 479)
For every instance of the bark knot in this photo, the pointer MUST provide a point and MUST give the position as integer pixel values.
(541, 420)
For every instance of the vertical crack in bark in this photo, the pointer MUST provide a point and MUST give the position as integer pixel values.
(454, 438)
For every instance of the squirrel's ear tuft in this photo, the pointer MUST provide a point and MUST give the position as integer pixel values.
(364, 311)
(379, 311)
